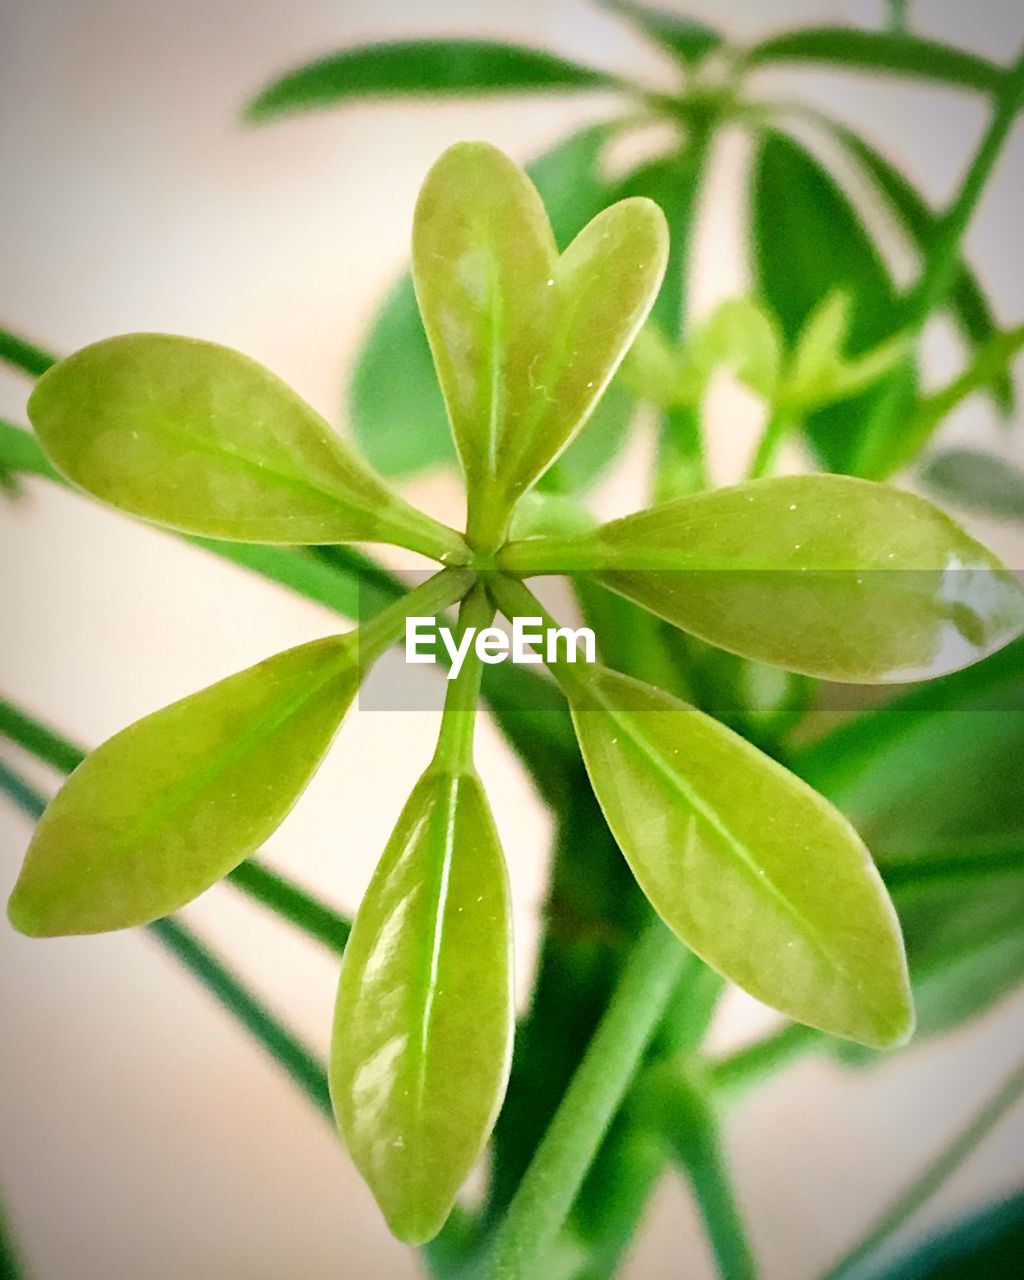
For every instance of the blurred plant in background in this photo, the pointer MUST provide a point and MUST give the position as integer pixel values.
(830, 343)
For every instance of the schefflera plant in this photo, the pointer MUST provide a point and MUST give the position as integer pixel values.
(837, 578)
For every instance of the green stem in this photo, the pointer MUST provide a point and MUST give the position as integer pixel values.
(535, 556)
(688, 1122)
(288, 901)
(991, 360)
(455, 741)
(899, 15)
(430, 598)
(940, 268)
(546, 1194)
(682, 460)
(24, 355)
(929, 1182)
(443, 1254)
(252, 878)
(734, 1076)
(222, 984)
(775, 433)
(282, 1046)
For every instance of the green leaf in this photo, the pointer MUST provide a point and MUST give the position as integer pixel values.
(687, 39)
(170, 805)
(825, 575)
(965, 946)
(204, 440)
(967, 299)
(985, 1246)
(809, 241)
(525, 342)
(979, 481)
(740, 336)
(760, 876)
(820, 372)
(898, 772)
(423, 1024)
(436, 68)
(890, 52)
(395, 403)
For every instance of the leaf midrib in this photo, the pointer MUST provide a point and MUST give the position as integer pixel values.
(221, 449)
(237, 749)
(742, 854)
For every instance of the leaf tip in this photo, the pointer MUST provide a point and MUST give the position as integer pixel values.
(24, 916)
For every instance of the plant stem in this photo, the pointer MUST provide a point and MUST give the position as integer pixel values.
(899, 15)
(688, 1123)
(282, 1046)
(24, 355)
(252, 878)
(940, 268)
(778, 427)
(285, 899)
(928, 1183)
(545, 1196)
(455, 741)
(682, 461)
(991, 360)
(432, 597)
(734, 1076)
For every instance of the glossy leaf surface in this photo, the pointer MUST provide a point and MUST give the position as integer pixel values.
(170, 805)
(754, 871)
(809, 241)
(824, 575)
(978, 481)
(893, 52)
(687, 39)
(525, 341)
(395, 382)
(423, 1024)
(438, 68)
(202, 439)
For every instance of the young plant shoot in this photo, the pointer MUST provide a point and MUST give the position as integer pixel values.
(750, 869)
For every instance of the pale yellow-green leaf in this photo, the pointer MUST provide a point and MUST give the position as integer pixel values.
(423, 1024)
(171, 804)
(754, 871)
(826, 575)
(200, 438)
(525, 341)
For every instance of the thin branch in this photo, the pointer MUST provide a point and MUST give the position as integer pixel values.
(934, 1176)
(941, 265)
(283, 1047)
(546, 1194)
(732, 1077)
(690, 1126)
